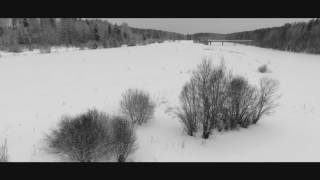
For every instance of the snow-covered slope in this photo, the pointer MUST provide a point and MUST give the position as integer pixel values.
(37, 89)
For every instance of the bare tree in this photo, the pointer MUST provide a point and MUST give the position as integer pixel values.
(267, 97)
(4, 151)
(123, 137)
(248, 106)
(137, 106)
(208, 95)
(189, 108)
(202, 79)
(218, 86)
(241, 98)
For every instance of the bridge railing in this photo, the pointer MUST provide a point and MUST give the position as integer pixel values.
(210, 41)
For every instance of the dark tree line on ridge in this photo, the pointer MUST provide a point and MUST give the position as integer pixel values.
(92, 33)
(297, 37)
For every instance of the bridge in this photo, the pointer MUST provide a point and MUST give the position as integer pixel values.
(211, 41)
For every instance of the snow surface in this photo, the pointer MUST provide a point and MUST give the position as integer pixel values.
(37, 89)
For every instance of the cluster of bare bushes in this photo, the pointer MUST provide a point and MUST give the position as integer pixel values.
(91, 136)
(215, 99)
(94, 135)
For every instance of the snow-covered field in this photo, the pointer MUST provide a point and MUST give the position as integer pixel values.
(37, 89)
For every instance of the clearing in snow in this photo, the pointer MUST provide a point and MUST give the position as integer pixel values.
(37, 89)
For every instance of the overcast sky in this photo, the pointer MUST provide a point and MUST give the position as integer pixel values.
(213, 25)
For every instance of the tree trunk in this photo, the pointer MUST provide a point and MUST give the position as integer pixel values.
(121, 159)
(205, 134)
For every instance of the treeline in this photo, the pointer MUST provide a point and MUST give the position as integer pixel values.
(92, 33)
(150, 34)
(205, 36)
(297, 37)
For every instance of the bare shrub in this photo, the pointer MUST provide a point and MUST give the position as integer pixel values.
(241, 99)
(4, 151)
(208, 92)
(123, 137)
(249, 105)
(263, 68)
(83, 138)
(202, 79)
(218, 85)
(266, 98)
(137, 106)
(189, 108)
(211, 82)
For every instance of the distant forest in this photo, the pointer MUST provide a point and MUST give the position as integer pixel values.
(297, 37)
(204, 36)
(93, 33)
(46, 32)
